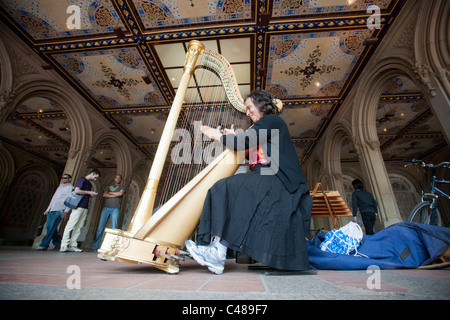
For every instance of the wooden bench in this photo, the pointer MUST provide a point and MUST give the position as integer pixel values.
(329, 204)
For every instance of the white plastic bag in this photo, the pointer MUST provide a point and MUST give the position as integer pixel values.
(343, 240)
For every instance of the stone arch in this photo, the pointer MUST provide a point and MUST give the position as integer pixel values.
(30, 193)
(79, 122)
(314, 172)
(332, 154)
(141, 169)
(368, 95)
(133, 197)
(432, 31)
(405, 193)
(124, 167)
(364, 131)
(121, 150)
(8, 169)
(432, 57)
(139, 175)
(6, 81)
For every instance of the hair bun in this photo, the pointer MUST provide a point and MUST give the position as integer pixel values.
(279, 104)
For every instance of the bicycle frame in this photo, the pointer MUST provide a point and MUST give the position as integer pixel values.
(432, 195)
(426, 211)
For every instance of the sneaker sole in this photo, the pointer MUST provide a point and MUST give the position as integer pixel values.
(194, 256)
(200, 260)
(213, 270)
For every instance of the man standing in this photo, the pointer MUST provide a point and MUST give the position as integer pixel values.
(56, 211)
(367, 205)
(78, 215)
(113, 195)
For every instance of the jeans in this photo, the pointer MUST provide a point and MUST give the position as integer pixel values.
(53, 220)
(107, 212)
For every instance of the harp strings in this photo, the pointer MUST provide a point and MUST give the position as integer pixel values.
(207, 104)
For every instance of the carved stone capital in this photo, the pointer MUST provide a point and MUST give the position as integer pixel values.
(373, 144)
(423, 73)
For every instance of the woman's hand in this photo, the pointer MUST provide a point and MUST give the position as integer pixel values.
(215, 134)
(229, 131)
(211, 133)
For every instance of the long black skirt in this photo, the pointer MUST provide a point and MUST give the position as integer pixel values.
(255, 215)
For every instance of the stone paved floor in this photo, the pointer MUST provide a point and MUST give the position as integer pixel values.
(48, 275)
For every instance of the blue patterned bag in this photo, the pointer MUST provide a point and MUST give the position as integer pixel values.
(343, 240)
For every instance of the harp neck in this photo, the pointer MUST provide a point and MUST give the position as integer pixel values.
(222, 67)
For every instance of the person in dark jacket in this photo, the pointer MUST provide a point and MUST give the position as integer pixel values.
(367, 205)
(264, 213)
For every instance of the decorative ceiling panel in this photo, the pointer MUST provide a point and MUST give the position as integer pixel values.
(26, 135)
(49, 19)
(392, 117)
(412, 145)
(145, 128)
(58, 127)
(309, 65)
(286, 8)
(114, 77)
(156, 14)
(401, 85)
(430, 125)
(38, 105)
(104, 155)
(305, 121)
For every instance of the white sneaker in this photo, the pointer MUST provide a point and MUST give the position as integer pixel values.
(75, 249)
(63, 249)
(206, 256)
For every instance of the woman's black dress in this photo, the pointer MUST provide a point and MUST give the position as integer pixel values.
(256, 214)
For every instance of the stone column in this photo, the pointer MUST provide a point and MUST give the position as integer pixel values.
(376, 181)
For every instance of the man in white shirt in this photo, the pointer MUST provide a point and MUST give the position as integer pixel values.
(56, 211)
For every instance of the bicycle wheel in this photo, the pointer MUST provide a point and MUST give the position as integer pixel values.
(422, 214)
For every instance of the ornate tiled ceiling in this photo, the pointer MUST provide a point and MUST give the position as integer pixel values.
(126, 58)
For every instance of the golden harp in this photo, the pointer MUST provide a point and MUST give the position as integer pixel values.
(156, 239)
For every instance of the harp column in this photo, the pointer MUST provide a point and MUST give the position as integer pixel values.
(146, 203)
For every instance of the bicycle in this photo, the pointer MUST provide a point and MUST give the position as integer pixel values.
(426, 210)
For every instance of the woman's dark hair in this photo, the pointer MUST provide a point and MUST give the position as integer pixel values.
(357, 184)
(264, 101)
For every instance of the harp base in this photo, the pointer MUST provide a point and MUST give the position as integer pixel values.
(120, 246)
